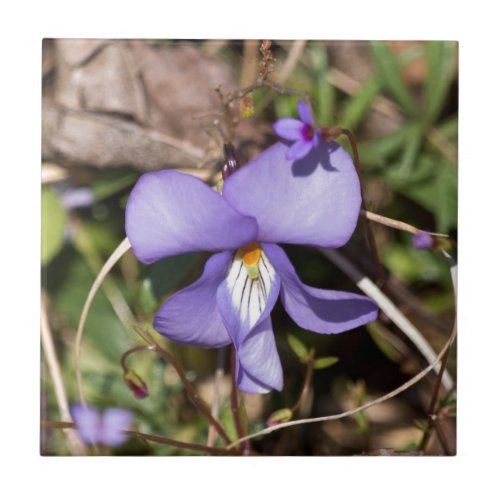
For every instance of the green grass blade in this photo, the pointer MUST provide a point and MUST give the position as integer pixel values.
(441, 64)
(359, 104)
(389, 70)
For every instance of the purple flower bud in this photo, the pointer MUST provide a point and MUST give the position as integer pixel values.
(136, 384)
(422, 240)
(232, 163)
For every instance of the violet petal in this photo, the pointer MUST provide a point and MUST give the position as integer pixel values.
(321, 311)
(114, 422)
(170, 213)
(191, 316)
(314, 201)
(305, 113)
(244, 302)
(299, 150)
(289, 129)
(258, 364)
(87, 421)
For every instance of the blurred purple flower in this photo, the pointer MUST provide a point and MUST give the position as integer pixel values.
(422, 240)
(265, 202)
(104, 428)
(302, 132)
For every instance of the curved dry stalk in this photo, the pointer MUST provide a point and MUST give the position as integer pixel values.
(120, 250)
(74, 445)
(396, 224)
(338, 416)
(400, 320)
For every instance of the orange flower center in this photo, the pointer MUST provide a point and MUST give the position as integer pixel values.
(250, 253)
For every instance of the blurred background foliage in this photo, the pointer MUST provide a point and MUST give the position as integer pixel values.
(400, 100)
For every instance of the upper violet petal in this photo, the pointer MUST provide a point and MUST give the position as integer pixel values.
(313, 201)
(170, 213)
(191, 316)
(114, 422)
(289, 129)
(258, 364)
(305, 113)
(321, 311)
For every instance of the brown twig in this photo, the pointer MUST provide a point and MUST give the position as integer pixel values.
(261, 84)
(191, 391)
(333, 133)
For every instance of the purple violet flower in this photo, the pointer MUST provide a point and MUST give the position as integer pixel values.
(104, 428)
(265, 202)
(302, 132)
(423, 240)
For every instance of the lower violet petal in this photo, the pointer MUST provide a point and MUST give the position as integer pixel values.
(321, 311)
(299, 150)
(258, 363)
(191, 316)
(244, 302)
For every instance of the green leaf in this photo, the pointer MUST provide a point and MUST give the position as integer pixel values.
(377, 151)
(413, 143)
(69, 286)
(147, 299)
(298, 347)
(321, 363)
(390, 73)
(53, 225)
(376, 331)
(432, 184)
(280, 416)
(112, 181)
(412, 265)
(362, 421)
(359, 104)
(441, 63)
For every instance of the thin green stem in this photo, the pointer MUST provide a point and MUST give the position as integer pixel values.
(307, 383)
(235, 407)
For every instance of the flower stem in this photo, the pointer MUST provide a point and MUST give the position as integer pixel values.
(193, 395)
(432, 418)
(150, 437)
(307, 383)
(235, 407)
(369, 230)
